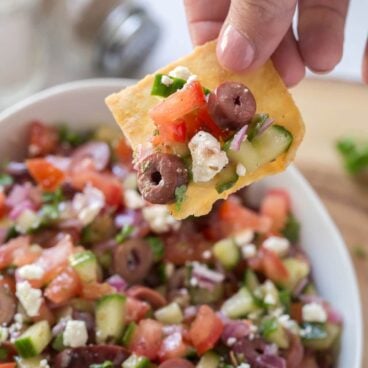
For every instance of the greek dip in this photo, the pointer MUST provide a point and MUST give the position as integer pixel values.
(203, 136)
(92, 275)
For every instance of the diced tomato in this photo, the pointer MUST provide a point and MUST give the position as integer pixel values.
(106, 183)
(43, 139)
(8, 250)
(2, 204)
(172, 346)
(44, 314)
(25, 256)
(96, 290)
(147, 339)
(8, 365)
(64, 286)
(296, 311)
(46, 175)
(234, 217)
(124, 153)
(276, 206)
(205, 330)
(53, 261)
(8, 282)
(136, 309)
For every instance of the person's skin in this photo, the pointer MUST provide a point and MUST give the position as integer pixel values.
(251, 31)
(365, 64)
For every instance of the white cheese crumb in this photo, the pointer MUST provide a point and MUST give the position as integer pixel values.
(30, 298)
(269, 299)
(244, 237)
(240, 170)
(87, 205)
(4, 334)
(249, 251)
(288, 323)
(31, 272)
(44, 363)
(193, 282)
(169, 269)
(192, 78)
(230, 341)
(208, 158)
(314, 312)
(159, 219)
(75, 334)
(26, 221)
(181, 72)
(277, 244)
(19, 318)
(244, 365)
(206, 254)
(166, 81)
(133, 200)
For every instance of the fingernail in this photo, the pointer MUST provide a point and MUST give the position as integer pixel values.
(234, 50)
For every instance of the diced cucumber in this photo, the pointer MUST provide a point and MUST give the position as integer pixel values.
(209, 360)
(272, 142)
(34, 362)
(239, 305)
(86, 265)
(34, 340)
(226, 178)
(135, 361)
(128, 333)
(246, 155)
(297, 269)
(204, 296)
(110, 317)
(170, 314)
(318, 336)
(273, 332)
(58, 343)
(251, 280)
(227, 253)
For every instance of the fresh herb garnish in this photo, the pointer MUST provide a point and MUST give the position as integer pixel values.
(105, 364)
(291, 231)
(285, 299)
(50, 210)
(180, 195)
(354, 155)
(12, 233)
(256, 124)
(157, 247)
(268, 326)
(73, 138)
(53, 197)
(58, 343)
(6, 180)
(124, 234)
(221, 187)
(3, 354)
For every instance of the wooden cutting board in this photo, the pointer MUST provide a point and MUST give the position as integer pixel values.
(332, 110)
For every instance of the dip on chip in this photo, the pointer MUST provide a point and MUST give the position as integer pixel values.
(200, 132)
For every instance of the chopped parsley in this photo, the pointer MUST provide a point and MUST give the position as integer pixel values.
(157, 247)
(73, 138)
(105, 364)
(180, 195)
(124, 234)
(291, 231)
(268, 326)
(354, 155)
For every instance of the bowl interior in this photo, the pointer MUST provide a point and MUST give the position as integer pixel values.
(81, 105)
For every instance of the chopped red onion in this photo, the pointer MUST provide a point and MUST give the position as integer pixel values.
(239, 138)
(97, 152)
(190, 312)
(22, 206)
(270, 361)
(300, 286)
(205, 275)
(61, 162)
(117, 282)
(172, 329)
(294, 355)
(236, 330)
(60, 326)
(333, 315)
(268, 122)
(271, 349)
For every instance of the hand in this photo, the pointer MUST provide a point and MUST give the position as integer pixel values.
(251, 31)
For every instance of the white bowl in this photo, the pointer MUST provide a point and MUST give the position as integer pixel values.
(81, 105)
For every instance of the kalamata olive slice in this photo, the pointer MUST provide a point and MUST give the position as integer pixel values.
(159, 175)
(97, 152)
(133, 260)
(176, 363)
(152, 297)
(7, 305)
(231, 105)
(94, 354)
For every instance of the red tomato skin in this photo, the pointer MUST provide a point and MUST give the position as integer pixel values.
(172, 346)
(136, 309)
(46, 175)
(43, 139)
(3, 208)
(8, 250)
(124, 153)
(147, 339)
(272, 266)
(95, 290)
(205, 330)
(63, 287)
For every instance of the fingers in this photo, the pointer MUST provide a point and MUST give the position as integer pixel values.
(205, 18)
(321, 32)
(288, 61)
(365, 64)
(252, 31)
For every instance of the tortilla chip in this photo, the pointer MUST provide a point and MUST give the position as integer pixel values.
(130, 108)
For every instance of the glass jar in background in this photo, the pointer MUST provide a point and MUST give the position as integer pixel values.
(22, 49)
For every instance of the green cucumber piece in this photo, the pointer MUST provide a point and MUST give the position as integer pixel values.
(227, 253)
(135, 361)
(34, 362)
(297, 269)
(110, 317)
(209, 360)
(239, 305)
(105, 364)
(34, 340)
(318, 336)
(246, 155)
(273, 332)
(251, 280)
(171, 314)
(226, 179)
(86, 265)
(255, 125)
(128, 333)
(272, 142)
(58, 342)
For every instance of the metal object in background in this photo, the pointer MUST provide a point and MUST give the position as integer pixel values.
(22, 45)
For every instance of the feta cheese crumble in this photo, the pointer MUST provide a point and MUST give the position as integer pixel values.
(44, 363)
(240, 170)
(75, 334)
(181, 72)
(30, 298)
(208, 158)
(4, 334)
(277, 244)
(31, 272)
(243, 365)
(244, 237)
(314, 312)
(26, 221)
(248, 251)
(166, 81)
(230, 341)
(133, 200)
(159, 219)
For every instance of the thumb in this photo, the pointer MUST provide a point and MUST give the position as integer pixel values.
(252, 31)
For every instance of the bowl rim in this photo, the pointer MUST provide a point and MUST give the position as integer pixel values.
(295, 174)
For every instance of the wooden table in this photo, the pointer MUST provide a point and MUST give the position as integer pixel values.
(332, 110)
